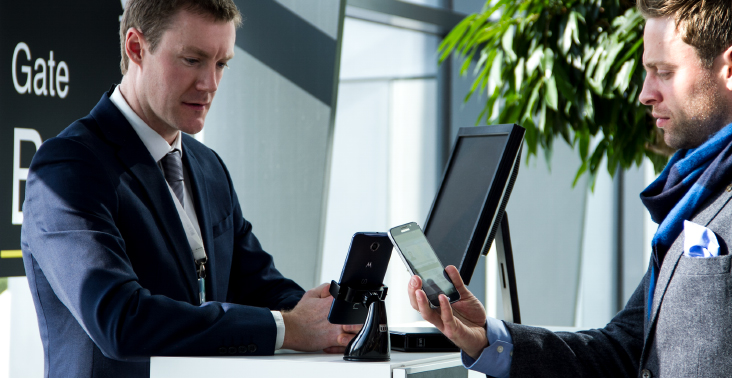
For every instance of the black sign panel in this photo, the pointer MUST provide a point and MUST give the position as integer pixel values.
(57, 57)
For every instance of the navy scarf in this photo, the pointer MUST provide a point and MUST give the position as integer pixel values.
(688, 180)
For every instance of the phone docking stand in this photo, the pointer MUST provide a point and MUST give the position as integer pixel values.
(372, 343)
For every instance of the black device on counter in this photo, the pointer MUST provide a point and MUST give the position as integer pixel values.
(420, 339)
(359, 297)
(364, 269)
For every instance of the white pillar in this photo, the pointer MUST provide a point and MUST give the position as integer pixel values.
(26, 354)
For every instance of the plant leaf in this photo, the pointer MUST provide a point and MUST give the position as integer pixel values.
(496, 69)
(563, 84)
(548, 62)
(570, 33)
(622, 79)
(589, 106)
(534, 60)
(542, 117)
(550, 93)
(507, 43)
(519, 74)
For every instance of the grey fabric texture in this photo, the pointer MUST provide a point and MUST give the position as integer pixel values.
(173, 171)
(688, 334)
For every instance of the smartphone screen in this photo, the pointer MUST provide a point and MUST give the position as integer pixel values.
(421, 260)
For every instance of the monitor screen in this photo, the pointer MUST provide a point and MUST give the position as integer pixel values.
(471, 198)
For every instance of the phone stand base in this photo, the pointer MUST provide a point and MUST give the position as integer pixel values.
(372, 343)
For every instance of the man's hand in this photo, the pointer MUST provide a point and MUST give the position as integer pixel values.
(462, 322)
(308, 329)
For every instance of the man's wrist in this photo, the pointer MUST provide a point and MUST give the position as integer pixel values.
(476, 348)
(287, 339)
(496, 357)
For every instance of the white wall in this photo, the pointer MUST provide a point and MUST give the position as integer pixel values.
(25, 358)
(384, 165)
(275, 135)
(5, 298)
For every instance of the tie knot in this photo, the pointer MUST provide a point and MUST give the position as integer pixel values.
(173, 167)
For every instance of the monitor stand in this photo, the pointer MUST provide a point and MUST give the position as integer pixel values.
(507, 273)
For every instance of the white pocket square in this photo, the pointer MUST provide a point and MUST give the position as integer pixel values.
(699, 241)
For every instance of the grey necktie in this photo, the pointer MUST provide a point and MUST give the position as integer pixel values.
(173, 171)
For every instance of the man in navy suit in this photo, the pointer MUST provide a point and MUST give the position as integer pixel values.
(134, 242)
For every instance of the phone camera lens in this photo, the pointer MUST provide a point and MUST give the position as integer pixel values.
(374, 246)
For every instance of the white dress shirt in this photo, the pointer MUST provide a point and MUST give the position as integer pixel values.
(158, 148)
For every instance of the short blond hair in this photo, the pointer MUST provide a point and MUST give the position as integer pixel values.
(152, 18)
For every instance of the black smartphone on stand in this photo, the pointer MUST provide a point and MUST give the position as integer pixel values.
(364, 269)
(421, 260)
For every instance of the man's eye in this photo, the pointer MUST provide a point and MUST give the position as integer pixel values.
(223, 65)
(191, 61)
(664, 74)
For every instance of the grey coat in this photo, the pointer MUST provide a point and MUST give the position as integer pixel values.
(689, 333)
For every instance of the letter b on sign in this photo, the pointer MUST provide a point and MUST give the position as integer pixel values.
(19, 173)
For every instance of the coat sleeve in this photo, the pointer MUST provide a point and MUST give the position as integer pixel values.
(613, 351)
(70, 239)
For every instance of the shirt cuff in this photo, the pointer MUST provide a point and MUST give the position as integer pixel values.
(280, 323)
(497, 331)
(495, 360)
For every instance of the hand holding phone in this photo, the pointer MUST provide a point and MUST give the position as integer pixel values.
(421, 260)
(462, 322)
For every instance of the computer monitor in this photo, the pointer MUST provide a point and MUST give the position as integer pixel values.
(470, 203)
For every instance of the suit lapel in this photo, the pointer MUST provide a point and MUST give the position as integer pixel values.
(133, 153)
(710, 210)
(664, 277)
(200, 198)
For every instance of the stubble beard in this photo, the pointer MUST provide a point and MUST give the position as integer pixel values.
(705, 114)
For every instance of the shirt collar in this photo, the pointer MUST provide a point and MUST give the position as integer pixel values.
(156, 144)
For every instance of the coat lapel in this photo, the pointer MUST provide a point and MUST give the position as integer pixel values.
(664, 277)
(133, 153)
(710, 210)
(200, 197)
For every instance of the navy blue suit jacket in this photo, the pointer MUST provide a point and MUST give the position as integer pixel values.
(109, 266)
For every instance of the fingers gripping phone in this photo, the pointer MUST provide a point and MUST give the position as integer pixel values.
(421, 260)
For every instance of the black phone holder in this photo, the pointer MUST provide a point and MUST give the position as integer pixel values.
(372, 343)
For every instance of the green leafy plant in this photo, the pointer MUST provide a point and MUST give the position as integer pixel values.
(563, 68)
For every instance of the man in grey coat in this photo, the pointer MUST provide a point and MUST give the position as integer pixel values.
(678, 323)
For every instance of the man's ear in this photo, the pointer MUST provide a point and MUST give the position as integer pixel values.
(134, 41)
(727, 67)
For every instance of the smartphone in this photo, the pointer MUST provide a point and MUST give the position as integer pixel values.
(421, 260)
(364, 269)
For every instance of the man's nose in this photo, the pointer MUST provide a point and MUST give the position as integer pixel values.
(208, 81)
(649, 94)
